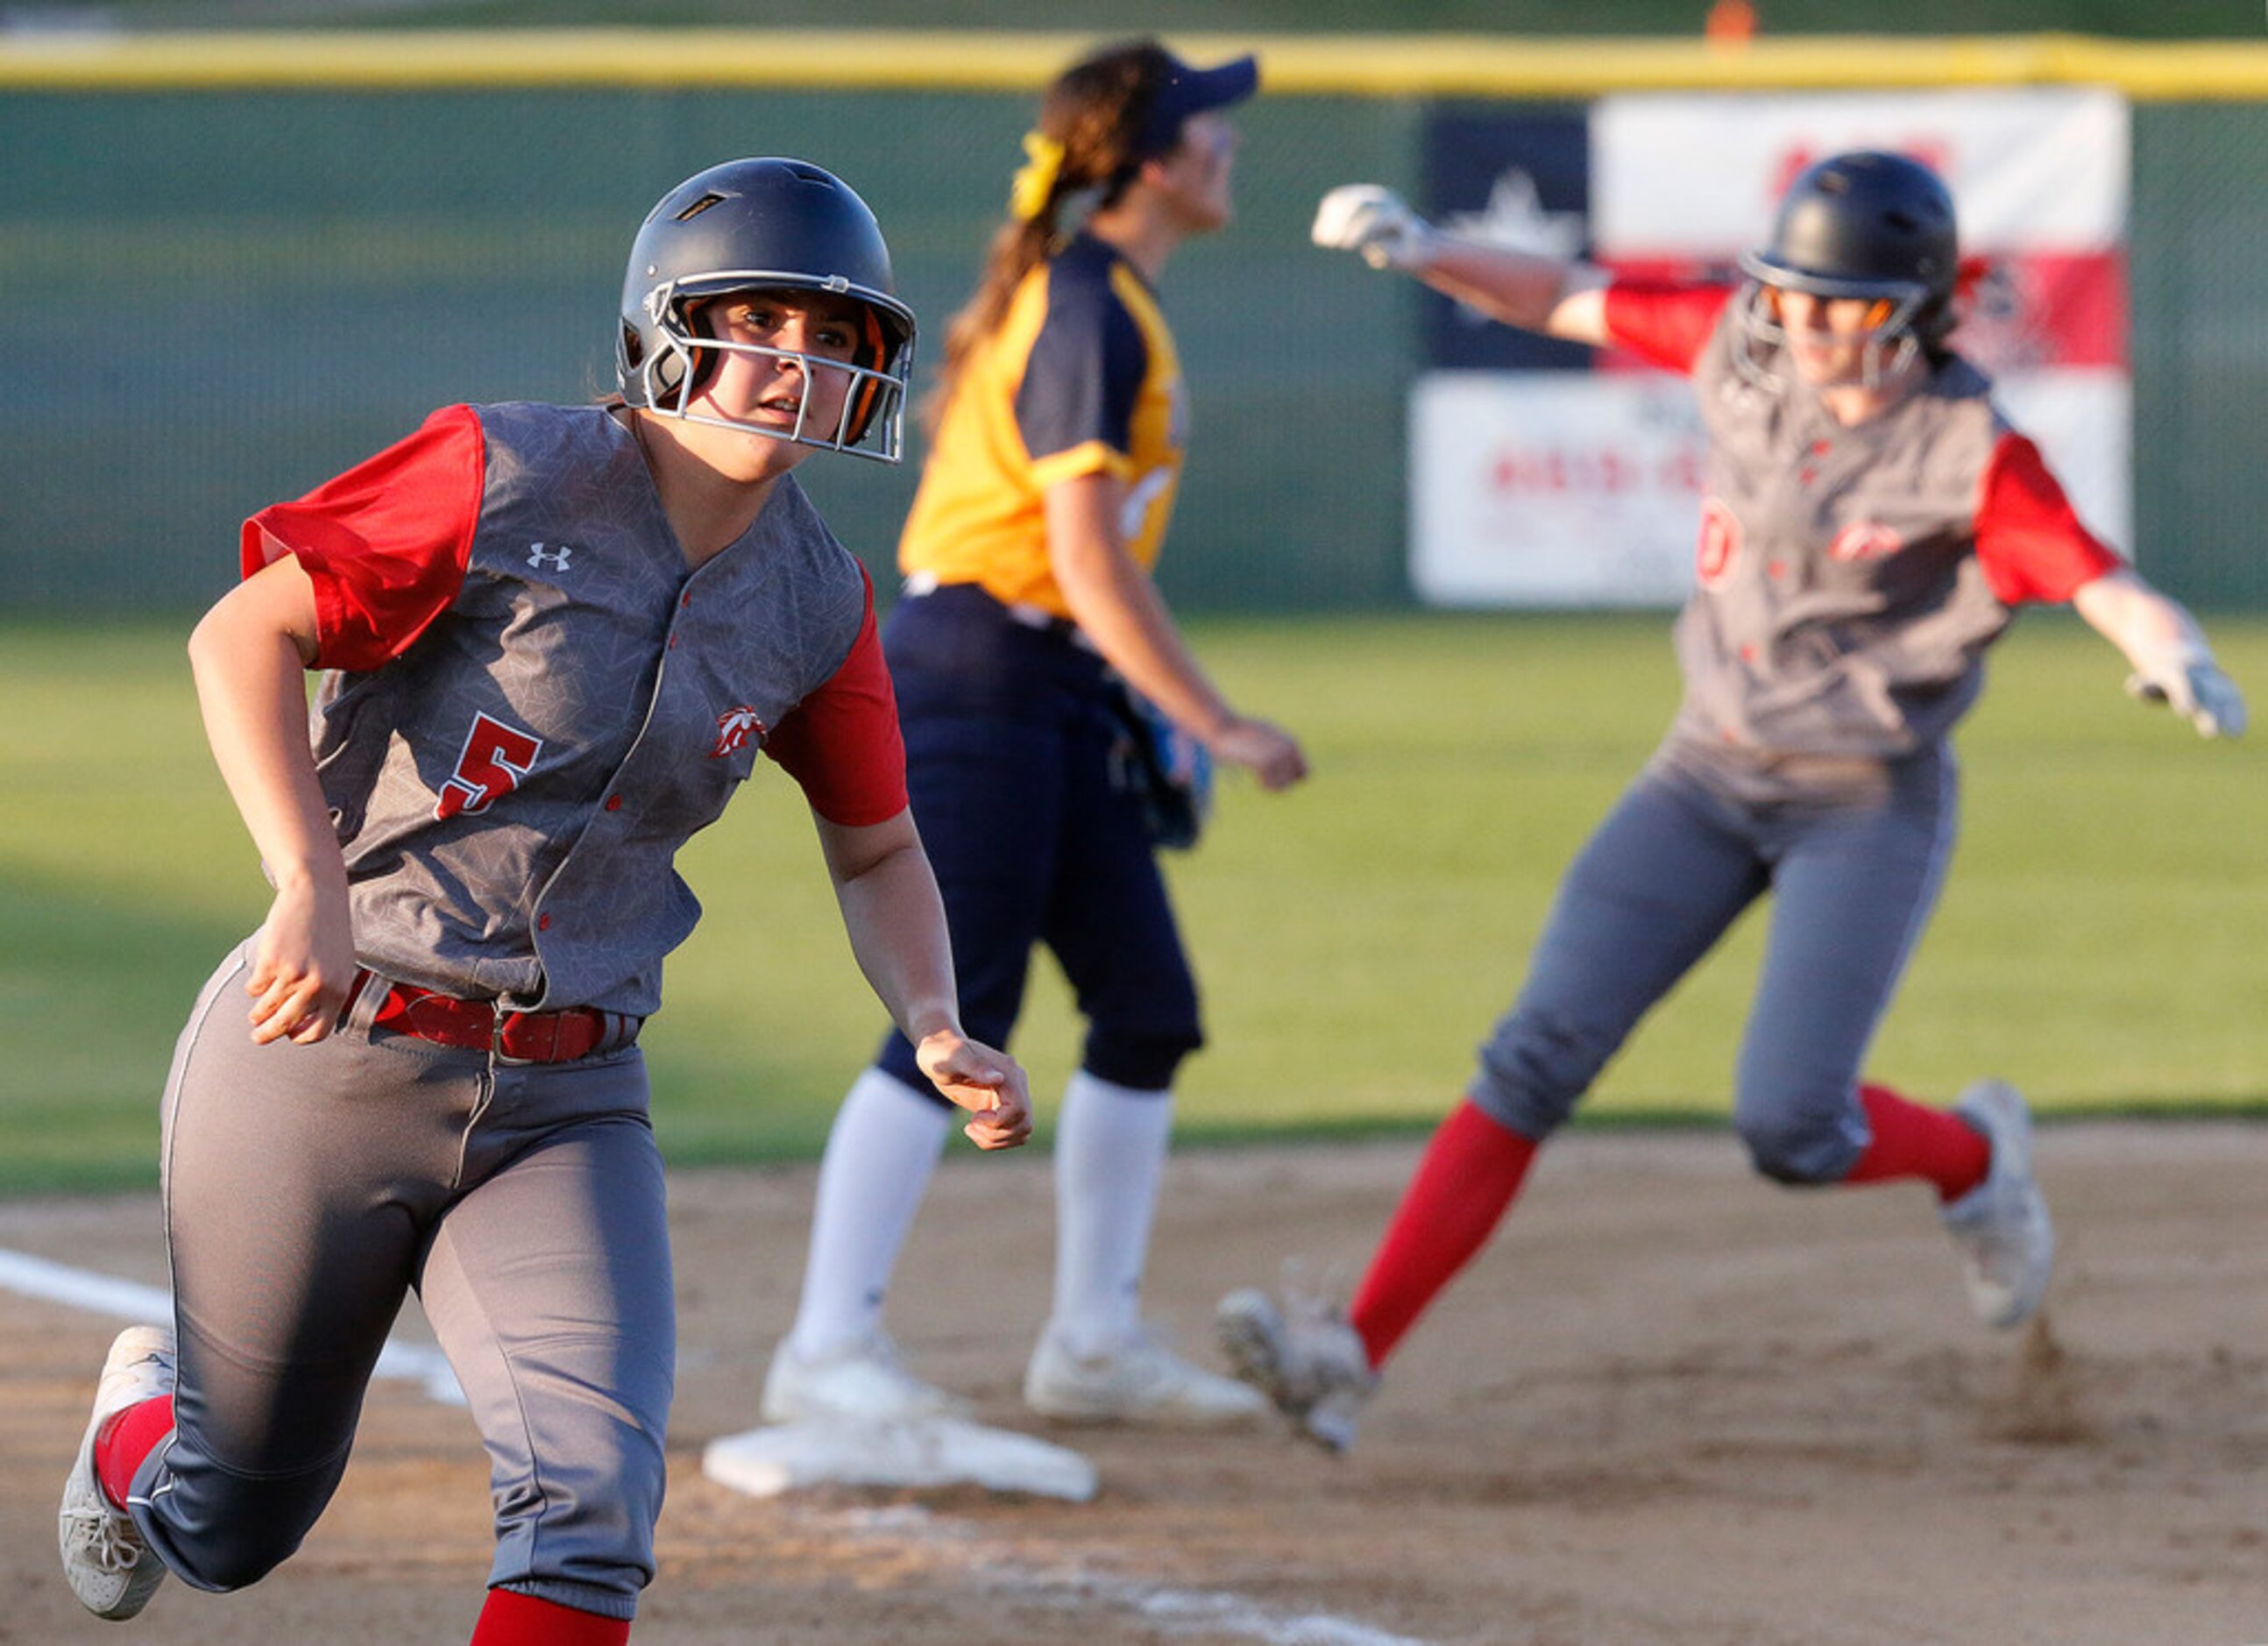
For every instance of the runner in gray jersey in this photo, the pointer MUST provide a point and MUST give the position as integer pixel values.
(553, 640)
(1870, 523)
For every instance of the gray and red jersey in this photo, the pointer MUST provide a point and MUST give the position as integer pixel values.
(1848, 578)
(531, 704)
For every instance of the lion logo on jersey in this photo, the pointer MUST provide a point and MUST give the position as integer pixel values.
(734, 727)
(1867, 540)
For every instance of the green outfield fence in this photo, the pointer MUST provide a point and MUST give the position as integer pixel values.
(232, 264)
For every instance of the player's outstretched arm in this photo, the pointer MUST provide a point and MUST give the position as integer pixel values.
(2173, 664)
(895, 921)
(1549, 295)
(250, 653)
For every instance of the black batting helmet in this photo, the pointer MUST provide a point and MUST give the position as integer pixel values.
(1867, 225)
(764, 224)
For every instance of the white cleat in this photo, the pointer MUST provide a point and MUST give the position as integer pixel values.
(863, 1382)
(2002, 1225)
(1304, 1357)
(112, 1571)
(1138, 1379)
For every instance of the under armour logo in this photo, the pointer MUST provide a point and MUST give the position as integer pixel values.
(733, 729)
(555, 553)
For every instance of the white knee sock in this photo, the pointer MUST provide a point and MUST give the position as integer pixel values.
(1110, 1158)
(879, 1156)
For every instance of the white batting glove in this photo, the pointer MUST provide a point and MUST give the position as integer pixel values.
(2193, 686)
(1376, 222)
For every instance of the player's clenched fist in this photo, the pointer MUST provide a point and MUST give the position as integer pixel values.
(1375, 221)
(988, 1083)
(1267, 751)
(303, 962)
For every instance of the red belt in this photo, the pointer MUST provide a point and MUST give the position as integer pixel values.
(477, 1026)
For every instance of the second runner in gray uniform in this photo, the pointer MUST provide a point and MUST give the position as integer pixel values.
(1872, 522)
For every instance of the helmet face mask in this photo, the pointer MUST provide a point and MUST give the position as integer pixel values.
(676, 376)
(1864, 225)
(1890, 343)
(764, 224)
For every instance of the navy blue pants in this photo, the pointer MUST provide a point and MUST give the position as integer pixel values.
(1662, 879)
(1015, 760)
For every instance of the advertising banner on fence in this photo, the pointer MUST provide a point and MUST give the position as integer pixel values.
(1542, 473)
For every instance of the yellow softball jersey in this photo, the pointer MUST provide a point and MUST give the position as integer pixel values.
(1080, 378)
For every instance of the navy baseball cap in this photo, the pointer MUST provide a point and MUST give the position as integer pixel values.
(1187, 92)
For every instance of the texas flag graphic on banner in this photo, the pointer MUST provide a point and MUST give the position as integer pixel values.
(1542, 473)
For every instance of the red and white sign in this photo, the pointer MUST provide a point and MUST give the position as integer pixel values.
(1553, 488)
(1583, 488)
(2040, 180)
(1678, 174)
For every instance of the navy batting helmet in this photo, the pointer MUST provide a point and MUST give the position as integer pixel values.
(764, 224)
(1867, 225)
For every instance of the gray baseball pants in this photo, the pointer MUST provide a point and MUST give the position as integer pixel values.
(308, 1188)
(1674, 863)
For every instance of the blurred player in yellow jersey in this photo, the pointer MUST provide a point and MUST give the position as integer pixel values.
(1028, 612)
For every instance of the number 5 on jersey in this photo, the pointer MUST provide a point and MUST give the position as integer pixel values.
(497, 757)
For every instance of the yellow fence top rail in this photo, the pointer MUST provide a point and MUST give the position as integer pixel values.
(1381, 65)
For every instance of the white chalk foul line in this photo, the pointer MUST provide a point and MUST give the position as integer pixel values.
(129, 1300)
(1173, 1611)
(1213, 1613)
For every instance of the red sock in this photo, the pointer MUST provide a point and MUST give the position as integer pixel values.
(1912, 1140)
(1469, 1173)
(125, 1439)
(513, 1619)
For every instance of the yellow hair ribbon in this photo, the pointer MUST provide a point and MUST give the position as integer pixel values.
(1036, 181)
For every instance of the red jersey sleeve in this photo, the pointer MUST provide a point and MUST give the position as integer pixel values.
(841, 743)
(386, 544)
(2029, 539)
(1665, 322)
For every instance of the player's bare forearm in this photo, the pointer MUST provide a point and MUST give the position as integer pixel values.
(1538, 294)
(895, 922)
(249, 654)
(897, 933)
(894, 918)
(2125, 610)
(1119, 608)
(1557, 296)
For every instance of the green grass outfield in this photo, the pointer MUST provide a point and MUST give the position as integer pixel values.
(2099, 940)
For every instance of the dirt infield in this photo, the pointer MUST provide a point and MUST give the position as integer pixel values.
(1671, 1404)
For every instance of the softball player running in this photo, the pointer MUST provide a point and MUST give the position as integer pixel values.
(553, 639)
(1059, 435)
(1870, 523)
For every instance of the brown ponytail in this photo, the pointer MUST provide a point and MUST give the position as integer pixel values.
(1093, 110)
